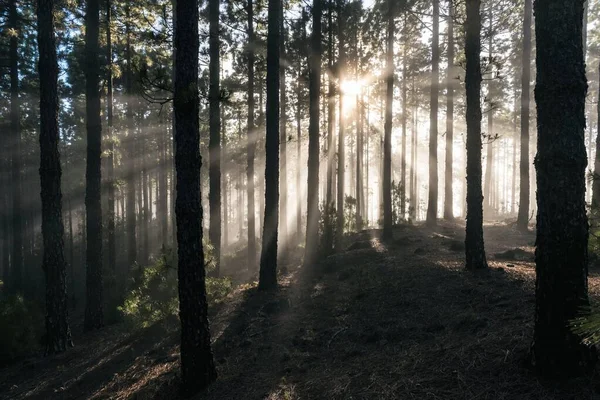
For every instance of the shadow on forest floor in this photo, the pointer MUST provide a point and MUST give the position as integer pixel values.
(379, 321)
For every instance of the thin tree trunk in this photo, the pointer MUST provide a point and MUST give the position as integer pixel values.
(16, 271)
(489, 178)
(268, 257)
(251, 144)
(131, 222)
(448, 187)
(387, 140)
(112, 244)
(474, 246)
(283, 198)
(404, 123)
(214, 196)
(596, 180)
(341, 166)
(523, 218)
(58, 333)
(329, 202)
(94, 303)
(312, 228)
(433, 118)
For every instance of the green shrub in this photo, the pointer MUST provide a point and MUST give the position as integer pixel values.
(22, 327)
(153, 295)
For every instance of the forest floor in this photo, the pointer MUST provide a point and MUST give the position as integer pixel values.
(397, 321)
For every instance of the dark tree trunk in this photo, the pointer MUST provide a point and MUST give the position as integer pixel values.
(93, 307)
(433, 118)
(312, 222)
(131, 216)
(448, 187)
(16, 271)
(404, 121)
(283, 198)
(387, 140)
(112, 251)
(562, 227)
(489, 177)
(268, 256)
(58, 334)
(214, 171)
(197, 365)
(596, 181)
(523, 218)
(329, 200)
(341, 179)
(474, 247)
(251, 144)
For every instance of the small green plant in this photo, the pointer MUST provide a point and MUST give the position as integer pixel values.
(587, 326)
(153, 295)
(350, 214)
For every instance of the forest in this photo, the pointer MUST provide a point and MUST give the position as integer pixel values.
(299, 199)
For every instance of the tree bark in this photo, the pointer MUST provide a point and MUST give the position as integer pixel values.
(283, 198)
(474, 246)
(562, 226)
(197, 365)
(268, 257)
(16, 270)
(387, 139)
(312, 224)
(433, 118)
(448, 187)
(523, 217)
(341, 166)
(112, 244)
(94, 303)
(131, 217)
(214, 196)
(251, 144)
(58, 333)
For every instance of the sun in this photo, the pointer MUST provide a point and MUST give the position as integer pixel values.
(350, 90)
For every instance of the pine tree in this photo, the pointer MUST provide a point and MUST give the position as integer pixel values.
(474, 246)
(433, 118)
(214, 196)
(387, 141)
(58, 334)
(251, 144)
(94, 303)
(268, 257)
(197, 365)
(312, 224)
(448, 187)
(562, 226)
(523, 218)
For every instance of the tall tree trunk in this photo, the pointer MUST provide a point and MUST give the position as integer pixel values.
(299, 152)
(283, 198)
(523, 218)
(312, 224)
(197, 365)
(131, 220)
(163, 196)
(448, 187)
(596, 180)
(112, 244)
(58, 334)
(562, 227)
(329, 202)
(225, 166)
(16, 271)
(413, 157)
(387, 140)
(489, 178)
(341, 166)
(433, 118)
(214, 196)
(474, 246)
(268, 257)
(93, 307)
(404, 123)
(251, 144)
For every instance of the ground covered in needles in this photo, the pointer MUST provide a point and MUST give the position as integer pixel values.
(400, 320)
